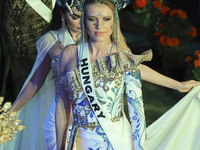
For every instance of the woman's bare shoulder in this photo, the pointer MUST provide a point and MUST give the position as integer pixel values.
(69, 57)
(70, 50)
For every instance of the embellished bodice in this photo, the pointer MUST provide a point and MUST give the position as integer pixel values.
(54, 67)
(109, 86)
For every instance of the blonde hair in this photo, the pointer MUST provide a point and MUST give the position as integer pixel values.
(116, 35)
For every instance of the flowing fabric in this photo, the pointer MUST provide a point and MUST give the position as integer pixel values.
(179, 127)
(33, 114)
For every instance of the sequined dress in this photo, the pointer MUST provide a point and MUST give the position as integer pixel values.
(109, 89)
(49, 123)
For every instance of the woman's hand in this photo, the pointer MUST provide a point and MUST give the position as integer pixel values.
(186, 86)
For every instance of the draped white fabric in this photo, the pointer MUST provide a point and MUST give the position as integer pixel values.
(179, 127)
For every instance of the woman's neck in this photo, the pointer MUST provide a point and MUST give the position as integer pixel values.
(100, 49)
(75, 35)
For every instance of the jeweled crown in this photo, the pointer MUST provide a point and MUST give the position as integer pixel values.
(77, 3)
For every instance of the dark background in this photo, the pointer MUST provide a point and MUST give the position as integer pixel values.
(192, 9)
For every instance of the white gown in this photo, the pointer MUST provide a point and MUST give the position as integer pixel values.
(109, 86)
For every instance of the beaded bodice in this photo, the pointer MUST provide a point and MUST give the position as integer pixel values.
(109, 86)
(54, 67)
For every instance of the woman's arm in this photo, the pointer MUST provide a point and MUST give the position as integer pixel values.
(38, 78)
(63, 104)
(152, 76)
(62, 114)
(33, 85)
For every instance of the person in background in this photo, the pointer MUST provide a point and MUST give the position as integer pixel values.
(36, 101)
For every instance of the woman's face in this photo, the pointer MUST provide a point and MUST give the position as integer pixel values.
(99, 22)
(73, 20)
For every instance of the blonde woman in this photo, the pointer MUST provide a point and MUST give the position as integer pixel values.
(93, 77)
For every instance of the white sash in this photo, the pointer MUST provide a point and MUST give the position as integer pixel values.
(88, 87)
(41, 8)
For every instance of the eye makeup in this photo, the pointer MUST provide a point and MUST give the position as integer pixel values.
(73, 16)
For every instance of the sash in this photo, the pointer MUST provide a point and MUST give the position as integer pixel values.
(88, 87)
(41, 8)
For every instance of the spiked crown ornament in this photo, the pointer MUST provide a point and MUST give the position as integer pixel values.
(66, 3)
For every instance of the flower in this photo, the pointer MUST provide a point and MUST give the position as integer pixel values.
(172, 42)
(157, 4)
(167, 41)
(139, 4)
(197, 63)
(161, 25)
(167, 29)
(178, 13)
(158, 33)
(188, 59)
(196, 68)
(197, 52)
(193, 32)
(164, 10)
(173, 13)
(162, 40)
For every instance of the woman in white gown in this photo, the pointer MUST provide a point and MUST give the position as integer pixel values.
(93, 76)
(39, 90)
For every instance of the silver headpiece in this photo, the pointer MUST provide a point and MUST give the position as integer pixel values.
(120, 4)
(65, 3)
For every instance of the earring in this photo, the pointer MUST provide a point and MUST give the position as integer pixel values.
(86, 36)
(63, 30)
(63, 22)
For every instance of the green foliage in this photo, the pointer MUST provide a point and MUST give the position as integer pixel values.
(196, 73)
